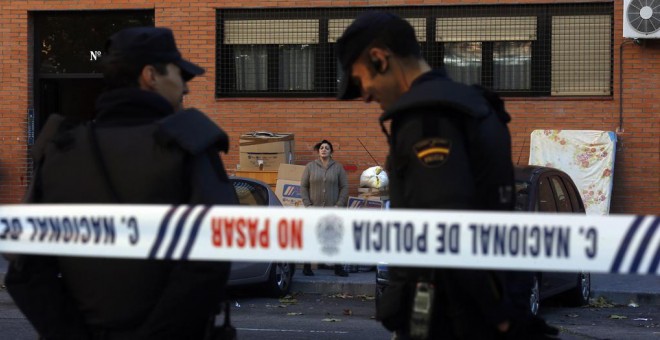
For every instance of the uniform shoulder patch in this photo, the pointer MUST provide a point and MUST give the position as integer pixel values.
(432, 152)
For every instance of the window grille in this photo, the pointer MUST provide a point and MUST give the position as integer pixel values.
(581, 53)
(517, 50)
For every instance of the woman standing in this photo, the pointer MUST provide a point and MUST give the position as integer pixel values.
(324, 184)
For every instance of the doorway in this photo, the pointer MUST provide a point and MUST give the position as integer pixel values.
(68, 48)
(73, 98)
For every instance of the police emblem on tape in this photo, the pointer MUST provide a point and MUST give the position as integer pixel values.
(432, 152)
(329, 232)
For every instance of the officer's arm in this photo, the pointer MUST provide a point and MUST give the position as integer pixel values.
(203, 141)
(194, 292)
(209, 182)
(194, 289)
(433, 162)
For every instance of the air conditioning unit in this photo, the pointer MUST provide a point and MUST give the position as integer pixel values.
(641, 19)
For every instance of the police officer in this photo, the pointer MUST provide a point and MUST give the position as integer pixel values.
(141, 148)
(449, 148)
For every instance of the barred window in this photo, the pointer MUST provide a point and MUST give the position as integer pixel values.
(581, 54)
(506, 40)
(517, 50)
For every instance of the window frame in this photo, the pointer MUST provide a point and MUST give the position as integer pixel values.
(574, 194)
(545, 188)
(325, 73)
(559, 188)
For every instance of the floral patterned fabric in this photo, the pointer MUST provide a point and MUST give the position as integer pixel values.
(585, 155)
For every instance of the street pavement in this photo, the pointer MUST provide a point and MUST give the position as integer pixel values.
(574, 324)
(618, 289)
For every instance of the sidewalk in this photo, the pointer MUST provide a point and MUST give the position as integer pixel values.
(619, 289)
(326, 282)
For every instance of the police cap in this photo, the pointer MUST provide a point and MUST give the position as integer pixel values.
(149, 45)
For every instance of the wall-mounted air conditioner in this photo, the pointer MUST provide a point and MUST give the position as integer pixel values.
(641, 19)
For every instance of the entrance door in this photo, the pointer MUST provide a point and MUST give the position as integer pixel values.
(68, 48)
(71, 97)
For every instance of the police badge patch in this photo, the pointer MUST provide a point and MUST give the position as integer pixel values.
(329, 232)
(432, 152)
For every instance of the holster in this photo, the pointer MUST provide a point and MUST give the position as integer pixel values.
(394, 308)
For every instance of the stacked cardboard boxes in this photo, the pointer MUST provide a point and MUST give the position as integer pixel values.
(288, 185)
(371, 198)
(265, 151)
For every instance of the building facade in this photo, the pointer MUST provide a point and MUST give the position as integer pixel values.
(560, 65)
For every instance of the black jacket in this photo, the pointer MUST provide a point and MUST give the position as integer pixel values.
(449, 149)
(150, 155)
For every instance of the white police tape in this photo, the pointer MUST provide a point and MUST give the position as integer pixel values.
(459, 239)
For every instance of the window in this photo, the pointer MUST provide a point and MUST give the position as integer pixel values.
(581, 54)
(573, 194)
(463, 61)
(493, 51)
(546, 200)
(517, 50)
(256, 44)
(250, 193)
(563, 201)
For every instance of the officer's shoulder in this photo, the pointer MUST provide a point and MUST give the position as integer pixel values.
(193, 131)
(443, 97)
(466, 99)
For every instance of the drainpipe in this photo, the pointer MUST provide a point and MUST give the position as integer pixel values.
(637, 42)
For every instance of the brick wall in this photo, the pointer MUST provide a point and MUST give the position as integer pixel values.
(636, 177)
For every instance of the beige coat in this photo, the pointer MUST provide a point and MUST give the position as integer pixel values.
(324, 187)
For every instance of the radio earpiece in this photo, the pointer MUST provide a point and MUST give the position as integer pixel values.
(377, 64)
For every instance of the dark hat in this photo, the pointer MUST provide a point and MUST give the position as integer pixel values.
(149, 45)
(364, 29)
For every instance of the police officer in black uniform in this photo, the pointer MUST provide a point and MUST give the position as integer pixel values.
(449, 149)
(141, 148)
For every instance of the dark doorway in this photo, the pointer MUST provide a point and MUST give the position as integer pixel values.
(71, 97)
(68, 48)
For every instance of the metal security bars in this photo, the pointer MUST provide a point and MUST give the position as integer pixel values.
(517, 50)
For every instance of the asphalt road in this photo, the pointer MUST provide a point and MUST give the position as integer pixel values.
(606, 322)
(310, 315)
(306, 316)
(318, 317)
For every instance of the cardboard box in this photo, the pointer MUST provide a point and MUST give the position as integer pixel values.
(366, 203)
(265, 150)
(288, 185)
(261, 161)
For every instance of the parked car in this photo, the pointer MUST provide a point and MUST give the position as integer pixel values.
(545, 189)
(275, 277)
(541, 189)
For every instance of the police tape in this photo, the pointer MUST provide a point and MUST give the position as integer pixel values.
(424, 238)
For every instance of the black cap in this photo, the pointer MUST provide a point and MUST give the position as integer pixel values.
(148, 45)
(364, 29)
